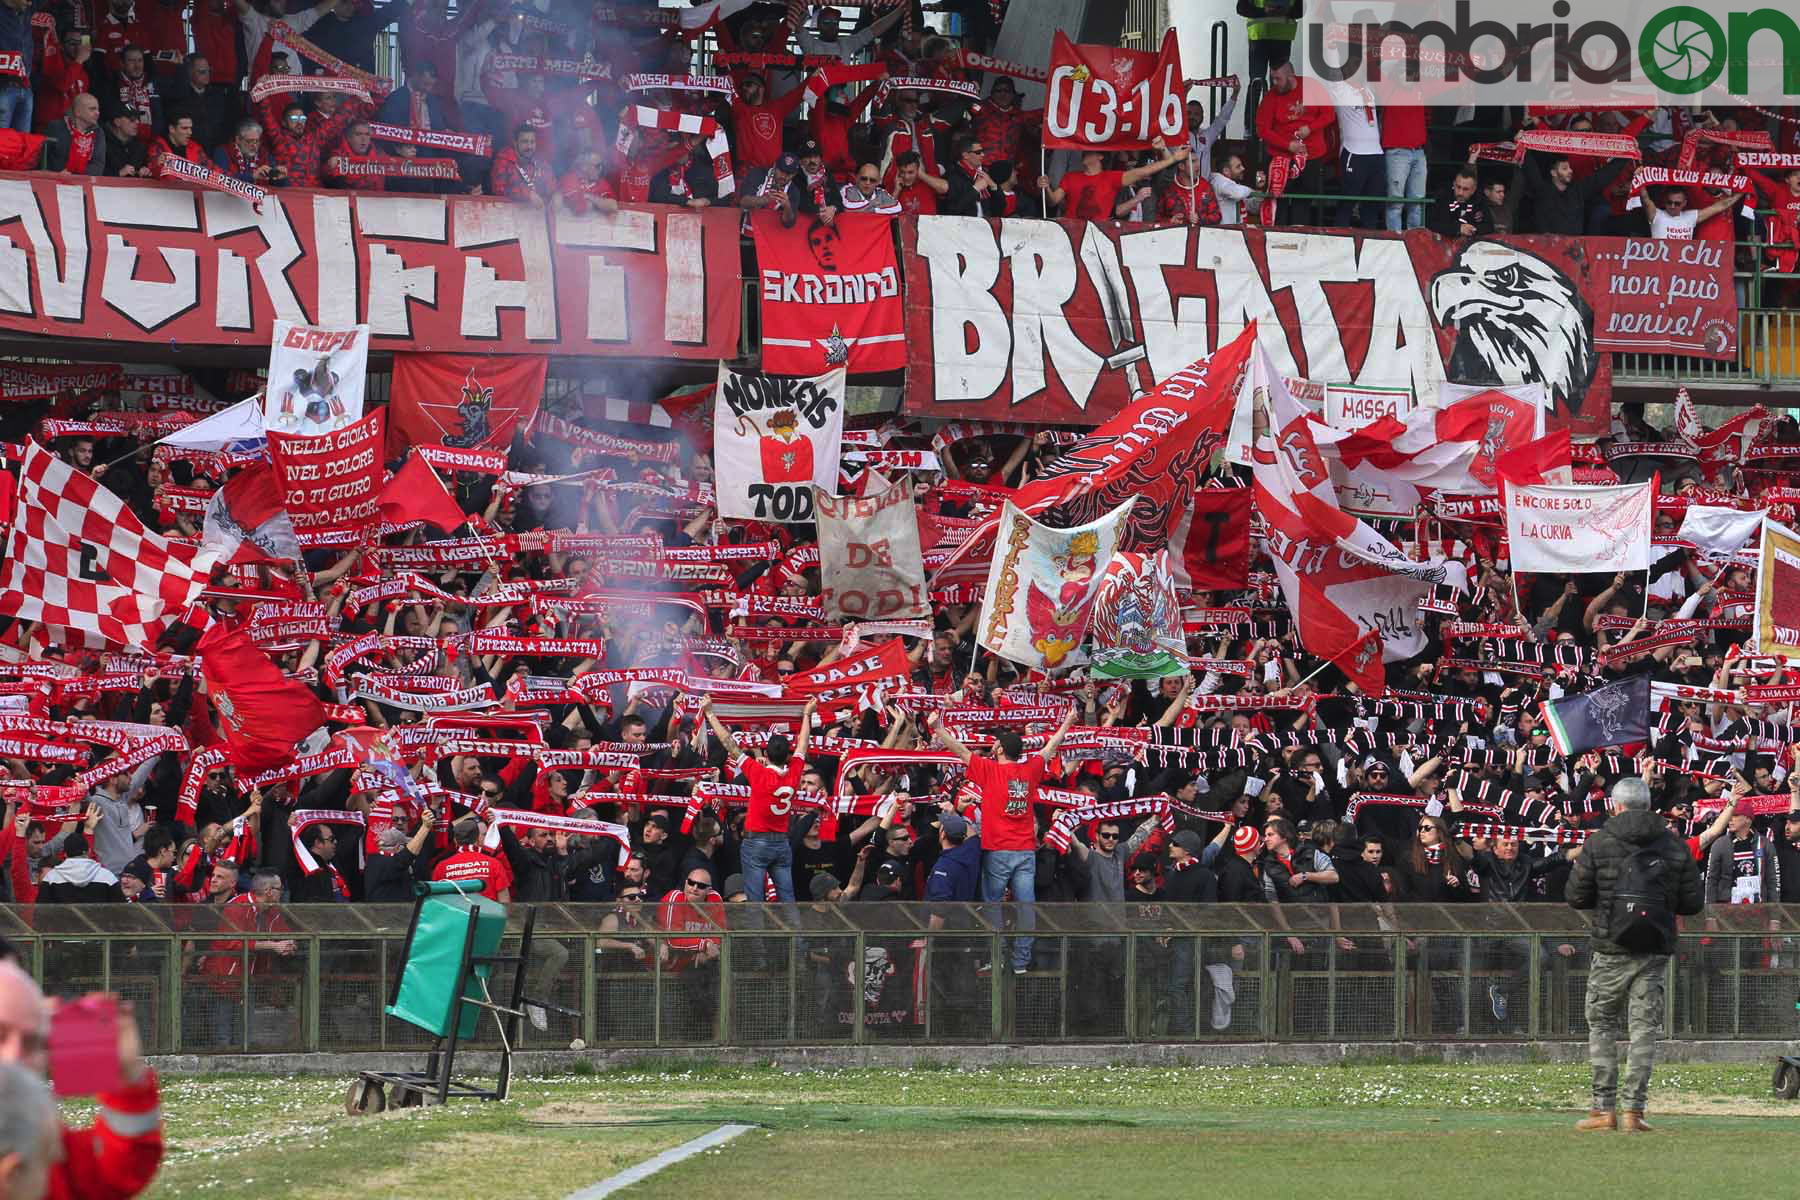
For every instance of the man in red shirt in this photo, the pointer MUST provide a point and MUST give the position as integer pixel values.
(916, 191)
(469, 862)
(756, 124)
(1290, 127)
(1009, 836)
(1088, 194)
(766, 851)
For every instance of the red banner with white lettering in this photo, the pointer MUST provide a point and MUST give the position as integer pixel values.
(463, 401)
(830, 295)
(331, 482)
(1101, 97)
(90, 259)
(1066, 321)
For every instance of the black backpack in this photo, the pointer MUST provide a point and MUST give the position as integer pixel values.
(1640, 920)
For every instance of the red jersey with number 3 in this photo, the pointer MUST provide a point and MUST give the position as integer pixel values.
(771, 794)
(1007, 792)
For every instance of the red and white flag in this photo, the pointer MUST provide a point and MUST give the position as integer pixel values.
(262, 712)
(1341, 579)
(78, 559)
(247, 521)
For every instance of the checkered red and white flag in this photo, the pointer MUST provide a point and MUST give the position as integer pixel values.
(78, 559)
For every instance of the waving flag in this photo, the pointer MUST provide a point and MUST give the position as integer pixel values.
(247, 521)
(262, 712)
(1160, 448)
(1615, 715)
(1042, 583)
(1342, 580)
(78, 559)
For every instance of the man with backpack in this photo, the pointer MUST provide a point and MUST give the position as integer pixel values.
(1637, 877)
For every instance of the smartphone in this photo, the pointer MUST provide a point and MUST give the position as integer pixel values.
(84, 1047)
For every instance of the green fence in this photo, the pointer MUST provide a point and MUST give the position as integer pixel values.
(315, 978)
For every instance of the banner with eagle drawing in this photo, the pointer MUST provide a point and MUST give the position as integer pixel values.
(463, 401)
(1042, 583)
(316, 378)
(774, 439)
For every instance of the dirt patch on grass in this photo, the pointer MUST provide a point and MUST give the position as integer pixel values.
(579, 1112)
(1719, 1106)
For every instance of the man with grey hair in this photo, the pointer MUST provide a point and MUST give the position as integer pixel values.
(1637, 876)
(28, 1129)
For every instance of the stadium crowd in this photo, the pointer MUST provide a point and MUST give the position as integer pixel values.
(819, 112)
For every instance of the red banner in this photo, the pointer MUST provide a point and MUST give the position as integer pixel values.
(463, 401)
(333, 481)
(1071, 320)
(830, 295)
(456, 273)
(1101, 97)
(1672, 297)
(1217, 552)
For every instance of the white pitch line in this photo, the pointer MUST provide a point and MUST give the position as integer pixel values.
(667, 1158)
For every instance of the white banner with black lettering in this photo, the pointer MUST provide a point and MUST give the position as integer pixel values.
(774, 438)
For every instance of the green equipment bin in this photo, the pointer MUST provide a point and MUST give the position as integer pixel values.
(435, 954)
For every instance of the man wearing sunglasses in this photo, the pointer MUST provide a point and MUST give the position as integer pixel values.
(695, 914)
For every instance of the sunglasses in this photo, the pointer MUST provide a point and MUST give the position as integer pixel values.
(1110, 837)
(699, 883)
(631, 895)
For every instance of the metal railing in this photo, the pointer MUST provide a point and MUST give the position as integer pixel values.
(911, 973)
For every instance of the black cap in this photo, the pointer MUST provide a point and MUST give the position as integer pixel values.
(788, 164)
(809, 149)
(658, 819)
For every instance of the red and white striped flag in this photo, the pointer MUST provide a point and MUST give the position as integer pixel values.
(78, 559)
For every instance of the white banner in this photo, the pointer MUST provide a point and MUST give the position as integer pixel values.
(1041, 585)
(774, 439)
(316, 378)
(1578, 530)
(870, 567)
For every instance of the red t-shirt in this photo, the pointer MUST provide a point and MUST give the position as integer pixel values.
(1090, 197)
(1007, 791)
(472, 864)
(771, 794)
(917, 199)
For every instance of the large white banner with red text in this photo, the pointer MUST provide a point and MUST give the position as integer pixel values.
(1067, 321)
(125, 261)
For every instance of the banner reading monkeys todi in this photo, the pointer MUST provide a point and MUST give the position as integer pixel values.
(774, 438)
(870, 567)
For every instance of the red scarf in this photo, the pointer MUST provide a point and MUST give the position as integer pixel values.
(81, 149)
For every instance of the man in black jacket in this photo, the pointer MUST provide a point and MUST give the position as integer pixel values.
(1627, 976)
(389, 877)
(1458, 212)
(1560, 203)
(540, 875)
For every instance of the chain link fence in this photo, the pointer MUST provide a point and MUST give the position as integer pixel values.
(315, 978)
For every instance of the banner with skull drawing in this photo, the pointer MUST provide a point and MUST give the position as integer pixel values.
(316, 378)
(1041, 585)
(1137, 620)
(774, 439)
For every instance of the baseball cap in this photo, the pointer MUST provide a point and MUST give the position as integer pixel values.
(787, 164)
(733, 885)
(1246, 841)
(1190, 841)
(822, 884)
(809, 149)
(953, 826)
(888, 872)
(658, 819)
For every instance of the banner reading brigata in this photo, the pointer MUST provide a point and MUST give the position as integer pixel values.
(331, 482)
(1063, 321)
(1101, 97)
(143, 262)
(830, 295)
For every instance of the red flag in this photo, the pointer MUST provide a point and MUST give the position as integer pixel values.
(247, 519)
(464, 401)
(1214, 533)
(263, 713)
(415, 493)
(1100, 97)
(1158, 448)
(830, 295)
(1546, 460)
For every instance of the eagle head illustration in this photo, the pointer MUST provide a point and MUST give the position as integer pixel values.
(1518, 319)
